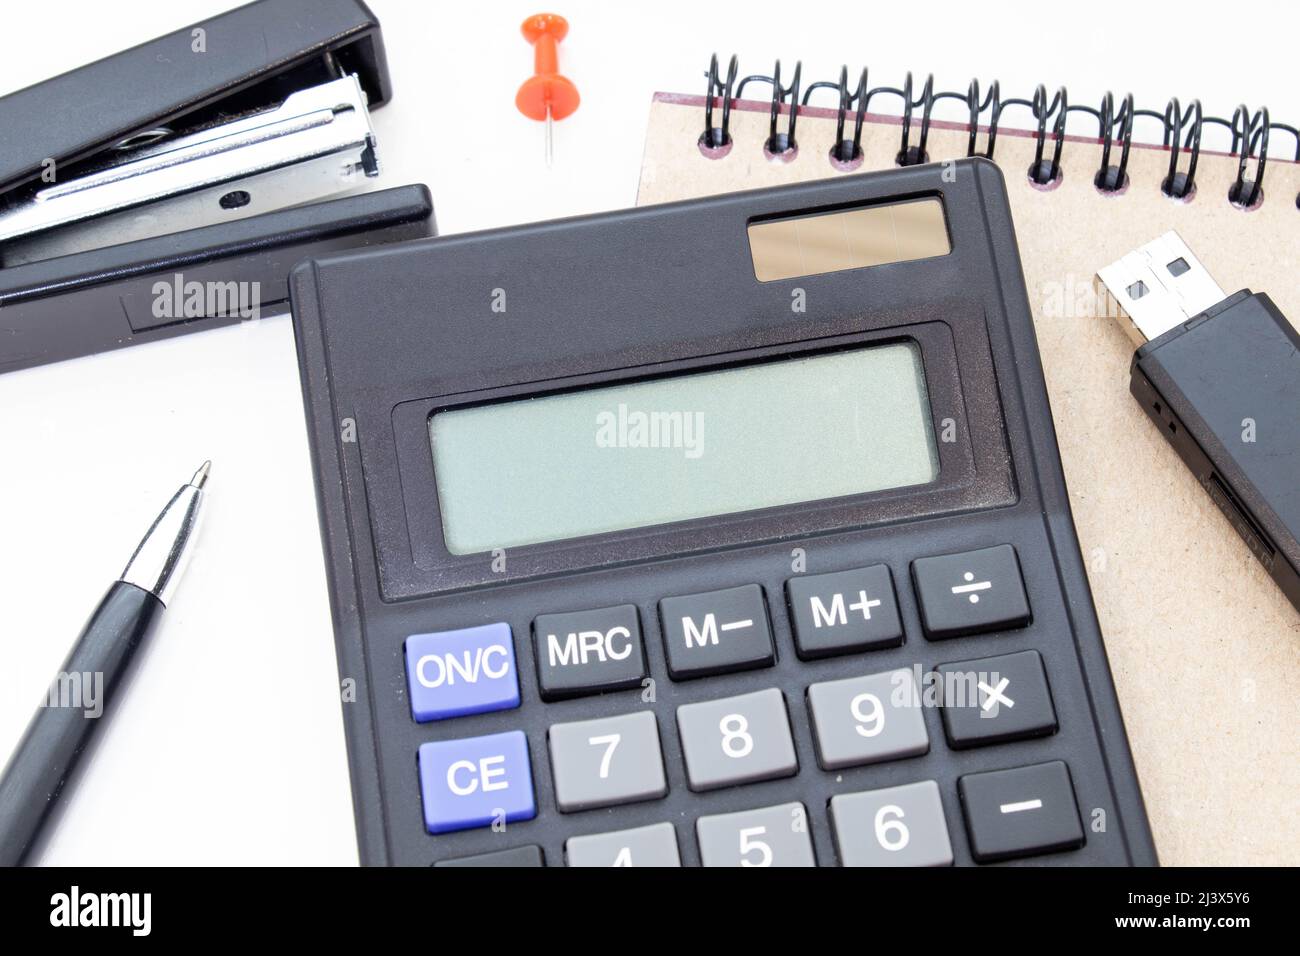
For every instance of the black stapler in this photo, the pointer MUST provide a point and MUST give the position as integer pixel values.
(141, 195)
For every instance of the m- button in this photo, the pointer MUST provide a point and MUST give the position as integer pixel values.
(716, 632)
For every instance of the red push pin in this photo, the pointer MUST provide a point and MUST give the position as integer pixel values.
(546, 95)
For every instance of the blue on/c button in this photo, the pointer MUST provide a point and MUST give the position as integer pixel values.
(468, 671)
(476, 782)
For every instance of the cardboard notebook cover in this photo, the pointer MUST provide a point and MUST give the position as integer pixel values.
(1204, 648)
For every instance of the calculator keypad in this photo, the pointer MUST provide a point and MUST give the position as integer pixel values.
(869, 719)
(898, 826)
(996, 699)
(1020, 812)
(607, 761)
(971, 592)
(654, 845)
(771, 836)
(872, 716)
(736, 740)
(455, 673)
(476, 781)
(844, 612)
(518, 857)
(717, 632)
(588, 652)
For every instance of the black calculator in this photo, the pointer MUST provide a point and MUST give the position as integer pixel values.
(729, 532)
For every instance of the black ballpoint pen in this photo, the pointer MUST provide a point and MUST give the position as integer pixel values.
(93, 675)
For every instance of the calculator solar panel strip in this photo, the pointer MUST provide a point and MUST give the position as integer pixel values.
(751, 725)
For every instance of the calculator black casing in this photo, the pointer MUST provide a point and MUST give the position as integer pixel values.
(386, 336)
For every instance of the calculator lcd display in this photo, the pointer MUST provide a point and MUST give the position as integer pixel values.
(695, 445)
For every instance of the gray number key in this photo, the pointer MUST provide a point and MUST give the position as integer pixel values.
(655, 845)
(736, 740)
(900, 826)
(772, 836)
(868, 719)
(599, 763)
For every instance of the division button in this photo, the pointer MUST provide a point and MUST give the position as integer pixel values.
(971, 592)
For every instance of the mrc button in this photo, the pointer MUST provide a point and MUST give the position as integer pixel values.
(454, 673)
(588, 652)
(971, 592)
(716, 632)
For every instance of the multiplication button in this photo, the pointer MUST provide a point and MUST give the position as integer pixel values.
(1020, 812)
(996, 699)
(588, 652)
(971, 592)
(716, 632)
(844, 612)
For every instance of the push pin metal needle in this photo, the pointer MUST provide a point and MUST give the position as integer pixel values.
(546, 96)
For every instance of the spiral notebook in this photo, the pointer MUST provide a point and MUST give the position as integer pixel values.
(1205, 649)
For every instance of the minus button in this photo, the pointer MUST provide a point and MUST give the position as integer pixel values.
(1022, 805)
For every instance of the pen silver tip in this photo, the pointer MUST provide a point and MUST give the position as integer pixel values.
(201, 476)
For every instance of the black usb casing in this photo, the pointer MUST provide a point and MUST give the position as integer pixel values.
(1224, 390)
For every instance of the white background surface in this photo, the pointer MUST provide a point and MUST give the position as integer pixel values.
(230, 747)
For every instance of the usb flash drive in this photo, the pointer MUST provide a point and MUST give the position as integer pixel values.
(1220, 377)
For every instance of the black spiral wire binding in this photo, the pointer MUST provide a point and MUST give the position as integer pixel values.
(1181, 129)
(908, 154)
(1046, 172)
(846, 151)
(1113, 179)
(992, 102)
(716, 137)
(1181, 184)
(1249, 138)
(779, 144)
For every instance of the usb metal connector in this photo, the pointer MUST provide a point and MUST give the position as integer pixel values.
(1158, 286)
(1219, 376)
